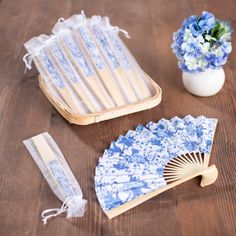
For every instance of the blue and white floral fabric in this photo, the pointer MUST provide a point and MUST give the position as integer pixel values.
(133, 165)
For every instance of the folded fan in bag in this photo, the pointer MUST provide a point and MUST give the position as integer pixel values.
(87, 72)
(59, 176)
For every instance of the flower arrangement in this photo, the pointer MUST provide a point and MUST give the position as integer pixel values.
(202, 43)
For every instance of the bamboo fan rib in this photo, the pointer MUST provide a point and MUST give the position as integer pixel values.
(182, 166)
(152, 159)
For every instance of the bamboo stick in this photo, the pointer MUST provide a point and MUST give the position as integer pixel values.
(79, 90)
(95, 86)
(131, 72)
(137, 83)
(104, 74)
(125, 85)
(105, 48)
(63, 91)
(48, 156)
(113, 89)
(145, 93)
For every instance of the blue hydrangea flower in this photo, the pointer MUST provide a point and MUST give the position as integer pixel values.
(202, 43)
(189, 21)
(206, 21)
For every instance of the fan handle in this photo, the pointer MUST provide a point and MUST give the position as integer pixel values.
(209, 176)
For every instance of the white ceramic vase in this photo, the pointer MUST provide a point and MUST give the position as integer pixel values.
(205, 83)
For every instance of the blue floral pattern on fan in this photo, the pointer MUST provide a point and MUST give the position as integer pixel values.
(77, 55)
(91, 47)
(114, 38)
(50, 67)
(64, 62)
(106, 46)
(134, 164)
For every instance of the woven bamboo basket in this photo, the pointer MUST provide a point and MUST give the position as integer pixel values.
(85, 119)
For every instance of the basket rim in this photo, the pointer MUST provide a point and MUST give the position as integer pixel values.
(84, 119)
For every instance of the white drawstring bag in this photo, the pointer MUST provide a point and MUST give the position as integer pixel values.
(85, 68)
(56, 171)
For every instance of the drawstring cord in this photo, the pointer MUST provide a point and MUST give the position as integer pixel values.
(74, 206)
(47, 214)
(27, 58)
(126, 34)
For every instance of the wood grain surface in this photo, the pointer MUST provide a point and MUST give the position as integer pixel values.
(24, 111)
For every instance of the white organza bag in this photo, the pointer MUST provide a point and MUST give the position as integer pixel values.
(86, 70)
(56, 171)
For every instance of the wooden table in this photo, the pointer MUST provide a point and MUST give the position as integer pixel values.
(24, 111)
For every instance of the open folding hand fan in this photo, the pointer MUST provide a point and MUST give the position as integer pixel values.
(153, 159)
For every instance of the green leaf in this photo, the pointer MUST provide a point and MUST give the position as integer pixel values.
(215, 30)
(221, 32)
